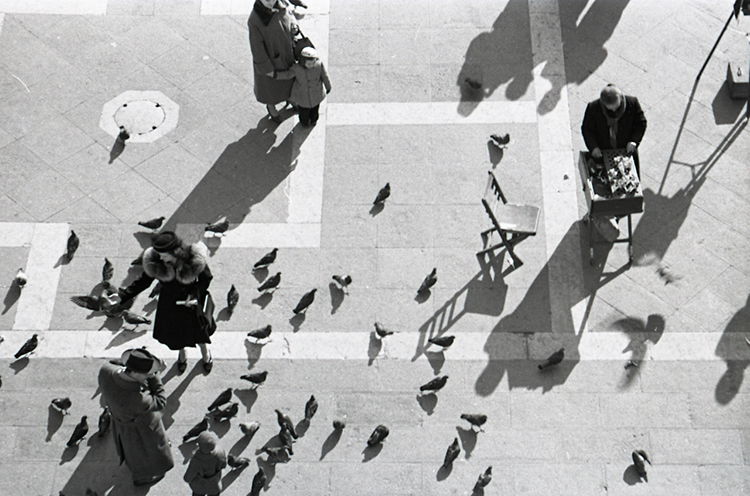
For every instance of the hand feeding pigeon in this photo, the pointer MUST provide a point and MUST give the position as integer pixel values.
(382, 331)
(79, 432)
(28, 347)
(218, 227)
(62, 404)
(428, 282)
(259, 480)
(224, 397)
(196, 429)
(285, 423)
(261, 333)
(483, 479)
(107, 271)
(104, 420)
(240, 462)
(256, 378)
(20, 280)
(554, 359)
(383, 194)
(72, 245)
(305, 301)
(311, 407)
(378, 435)
(475, 419)
(444, 341)
(250, 428)
(271, 283)
(266, 259)
(233, 297)
(226, 413)
(500, 141)
(452, 453)
(153, 223)
(435, 384)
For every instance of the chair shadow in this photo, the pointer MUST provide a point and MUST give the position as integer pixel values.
(730, 382)
(330, 442)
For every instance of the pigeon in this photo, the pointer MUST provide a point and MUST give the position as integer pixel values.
(452, 453)
(286, 423)
(378, 435)
(444, 341)
(155, 292)
(134, 318)
(107, 271)
(639, 457)
(123, 135)
(305, 301)
(1, 381)
(270, 283)
(554, 359)
(343, 281)
(261, 333)
(224, 397)
(631, 364)
(383, 194)
(153, 223)
(89, 302)
(104, 420)
(218, 227)
(435, 384)
(311, 407)
(259, 480)
(79, 432)
(266, 259)
(28, 347)
(475, 419)
(339, 424)
(256, 378)
(483, 479)
(667, 275)
(382, 331)
(428, 282)
(20, 280)
(473, 83)
(287, 440)
(240, 462)
(230, 411)
(233, 297)
(298, 3)
(746, 341)
(196, 429)
(137, 260)
(276, 452)
(72, 245)
(250, 428)
(62, 404)
(500, 141)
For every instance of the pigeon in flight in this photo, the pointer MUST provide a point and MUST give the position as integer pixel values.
(554, 359)
(153, 224)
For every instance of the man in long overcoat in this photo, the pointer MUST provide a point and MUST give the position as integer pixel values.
(135, 396)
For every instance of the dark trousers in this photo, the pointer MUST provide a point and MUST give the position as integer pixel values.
(308, 115)
(199, 494)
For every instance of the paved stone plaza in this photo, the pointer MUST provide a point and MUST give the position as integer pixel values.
(398, 113)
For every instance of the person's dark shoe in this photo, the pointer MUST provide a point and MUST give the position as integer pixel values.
(181, 366)
(275, 118)
(149, 481)
(208, 365)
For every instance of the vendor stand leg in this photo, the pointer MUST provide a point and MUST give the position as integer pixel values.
(630, 240)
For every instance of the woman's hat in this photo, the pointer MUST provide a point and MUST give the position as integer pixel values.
(165, 241)
(140, 360)
(309, 53)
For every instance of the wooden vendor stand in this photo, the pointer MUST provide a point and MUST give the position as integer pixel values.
(602, 202)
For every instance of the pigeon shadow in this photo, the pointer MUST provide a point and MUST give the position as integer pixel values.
(231, 476)
(11, 297)
(631, 477)
(371, 452)
(260, 274)
(302, 427)
(263, 299)
(640, 333)
(423, 296)
(223, 315)
(19, 365)
(68, 454)
(63, 260)
(220, 427)
(123, 337)
(254, 351)
(297, 321)
(731, 380)
(117, 148)
(436, 359)
(173, 400)
(427, 402)
(247, 397)
(477, 491)
(374, 348)
(269, 468)
(337, 296)
(468, 440)
(150, 307)
(54, 421)
(495, 153)
(443, 472)
(112, 324)
(240, 446)
(376, 209)
(331, 441)
(187, 449)
(725, 109)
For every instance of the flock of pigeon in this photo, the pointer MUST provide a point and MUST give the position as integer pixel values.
(222, 408)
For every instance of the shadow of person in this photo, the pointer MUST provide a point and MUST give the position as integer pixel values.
(496, 57)
(468, 440)
(11, 297)
(245, 173)
(730, 382)
(331, 441)
(427, 402)
(173, 399)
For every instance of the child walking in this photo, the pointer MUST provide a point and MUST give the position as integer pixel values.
(310, 87)
(203, 475)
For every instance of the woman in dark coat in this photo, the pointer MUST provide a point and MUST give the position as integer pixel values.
(134, 393)
(183, 273)
(271, 29)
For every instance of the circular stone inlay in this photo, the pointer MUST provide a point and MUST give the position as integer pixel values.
(140, 116)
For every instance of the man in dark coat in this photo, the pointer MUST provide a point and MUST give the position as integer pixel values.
(614, 120)
(134, 393)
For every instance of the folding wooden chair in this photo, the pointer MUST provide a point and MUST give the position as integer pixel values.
(512, 222)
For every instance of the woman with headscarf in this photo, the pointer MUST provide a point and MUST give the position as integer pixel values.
(182, 270)
(272, 28)
(203, 474)
(134, 393)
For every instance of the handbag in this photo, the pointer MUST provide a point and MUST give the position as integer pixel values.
(300, 43)
(205, 311)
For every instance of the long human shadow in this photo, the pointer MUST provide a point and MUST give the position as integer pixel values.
(583, 44)
(729, 384)
(525, 319)
(245, 173)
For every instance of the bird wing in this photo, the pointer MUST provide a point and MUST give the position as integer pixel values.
(89, 302)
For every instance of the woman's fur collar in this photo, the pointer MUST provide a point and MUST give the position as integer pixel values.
(185, 270)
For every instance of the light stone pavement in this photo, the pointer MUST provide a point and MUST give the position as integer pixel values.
(396, 114)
